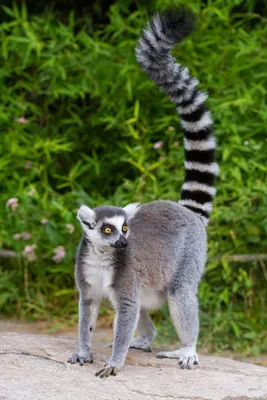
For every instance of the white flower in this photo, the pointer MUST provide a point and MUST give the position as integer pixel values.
(158, 145)
(59, 254)
(21, 120)
(23, 235)
(13, 203)
(29, 252)
(26, 235)
(70, 228)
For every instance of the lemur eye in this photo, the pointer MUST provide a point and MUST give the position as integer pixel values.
(107, 230)
(124, 228)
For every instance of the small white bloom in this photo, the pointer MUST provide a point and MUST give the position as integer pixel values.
(158, 145)
(29, 252)
(22, 120)
(26, 235)
(13, 203)
(70, 228)
(59, 254)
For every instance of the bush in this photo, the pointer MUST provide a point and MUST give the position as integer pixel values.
(79, 120)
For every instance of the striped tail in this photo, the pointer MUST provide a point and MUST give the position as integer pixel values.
(153, 54)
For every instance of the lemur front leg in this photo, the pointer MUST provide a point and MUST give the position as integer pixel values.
(124, 327)
(88, 312)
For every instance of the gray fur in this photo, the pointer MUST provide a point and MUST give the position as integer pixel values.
(166, 252)
(165, 258)
(146, 330)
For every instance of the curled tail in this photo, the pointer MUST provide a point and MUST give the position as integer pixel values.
(153, 54)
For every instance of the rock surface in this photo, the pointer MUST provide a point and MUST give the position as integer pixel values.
(34, 367)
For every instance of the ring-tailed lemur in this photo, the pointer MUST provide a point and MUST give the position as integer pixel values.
(142, 254)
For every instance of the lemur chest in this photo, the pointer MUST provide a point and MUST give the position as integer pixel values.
(98, 273)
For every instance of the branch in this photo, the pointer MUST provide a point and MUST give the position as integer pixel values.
(8, 254)
(242, 258)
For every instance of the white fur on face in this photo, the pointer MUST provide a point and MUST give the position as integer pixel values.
(94, 235)
(118, 222)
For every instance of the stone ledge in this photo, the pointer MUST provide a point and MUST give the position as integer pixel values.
(34, 367)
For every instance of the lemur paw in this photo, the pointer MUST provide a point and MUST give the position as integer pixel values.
(110, 369)
(187, 357)
(140, 343)
(188, 362)
(107, 371)
(76, 358)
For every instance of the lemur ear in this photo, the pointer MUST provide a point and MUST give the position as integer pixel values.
(86, 216)
(131, 209)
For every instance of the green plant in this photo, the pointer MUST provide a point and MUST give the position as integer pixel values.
(78, 122)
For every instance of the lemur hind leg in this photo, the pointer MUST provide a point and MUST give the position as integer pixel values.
(183, 308)
(147, 332)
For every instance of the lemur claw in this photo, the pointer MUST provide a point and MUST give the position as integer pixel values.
(107, 371)
(76, 358)
(188, 362)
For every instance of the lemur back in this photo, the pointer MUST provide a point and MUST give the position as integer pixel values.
(141, 255)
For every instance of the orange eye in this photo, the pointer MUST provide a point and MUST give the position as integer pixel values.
(124, 228)
(107, 230)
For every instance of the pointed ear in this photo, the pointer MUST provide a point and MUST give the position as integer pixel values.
(86, 216)
(131, 209)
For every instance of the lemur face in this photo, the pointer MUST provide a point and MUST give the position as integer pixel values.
(111, 232)
(105, 226)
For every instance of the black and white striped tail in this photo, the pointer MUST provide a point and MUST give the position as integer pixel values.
(153, 54)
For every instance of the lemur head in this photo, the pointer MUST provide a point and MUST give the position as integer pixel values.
(107, 226)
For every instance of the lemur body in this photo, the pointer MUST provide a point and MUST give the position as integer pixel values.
(141, 255)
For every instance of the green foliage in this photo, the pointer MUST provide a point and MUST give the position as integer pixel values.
(78, 121)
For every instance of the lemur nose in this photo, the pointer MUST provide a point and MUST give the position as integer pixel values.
(121, 243)
(124, 244)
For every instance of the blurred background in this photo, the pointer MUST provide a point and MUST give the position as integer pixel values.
(81, 124)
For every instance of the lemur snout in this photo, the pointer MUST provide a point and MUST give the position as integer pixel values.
(121, 243)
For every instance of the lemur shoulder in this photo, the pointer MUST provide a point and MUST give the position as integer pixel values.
(140, 255)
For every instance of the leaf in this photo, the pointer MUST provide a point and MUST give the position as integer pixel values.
(235, 329)
(136, 110)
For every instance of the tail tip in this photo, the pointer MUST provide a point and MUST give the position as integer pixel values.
(176, 23)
